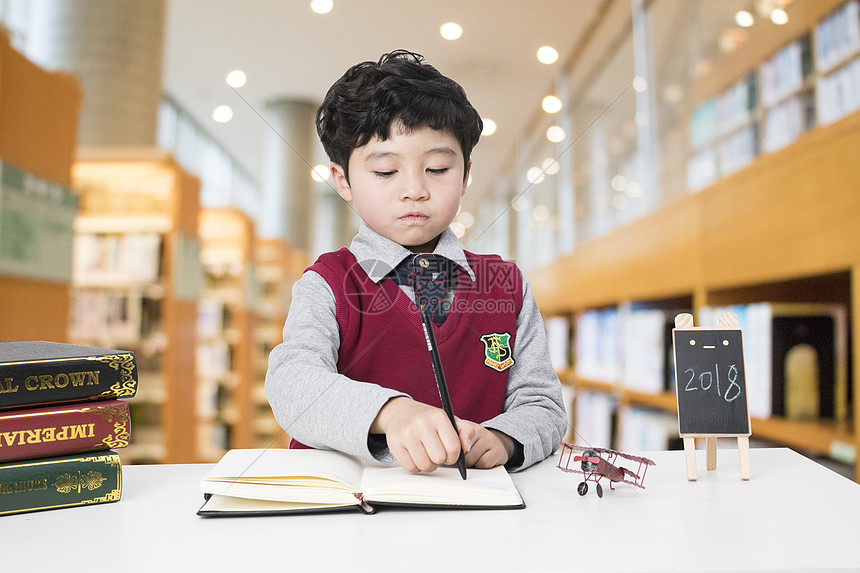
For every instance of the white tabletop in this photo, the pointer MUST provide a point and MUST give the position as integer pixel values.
(792, 515)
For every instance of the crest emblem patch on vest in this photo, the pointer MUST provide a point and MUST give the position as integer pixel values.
(497, 350)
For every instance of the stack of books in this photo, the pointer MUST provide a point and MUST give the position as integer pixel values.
(63, 410)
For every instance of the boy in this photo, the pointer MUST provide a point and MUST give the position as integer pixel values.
(354, 373)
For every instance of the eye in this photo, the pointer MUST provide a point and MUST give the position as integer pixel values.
(437, 171)
(384, 174)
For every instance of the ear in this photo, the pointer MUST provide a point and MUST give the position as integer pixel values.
(340, 182)
(466, 177)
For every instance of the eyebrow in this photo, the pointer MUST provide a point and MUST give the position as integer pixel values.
(444, 150)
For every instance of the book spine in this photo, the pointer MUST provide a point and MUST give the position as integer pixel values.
(59, 430)
(33, 383)
(65, 481)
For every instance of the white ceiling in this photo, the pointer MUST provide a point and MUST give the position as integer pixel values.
(287, 51)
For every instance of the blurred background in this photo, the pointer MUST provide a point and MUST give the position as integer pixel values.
(162, 188)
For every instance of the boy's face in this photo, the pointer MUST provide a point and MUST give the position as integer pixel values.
(408, 187)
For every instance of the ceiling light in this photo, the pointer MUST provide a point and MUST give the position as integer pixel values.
(550, 166)
(744, 19)
(466, 219)
(551, 104)
(779, 17)
(236, 79)
(489, 126)
(555, 134)
(322, 6)
(520, 204)
(458, 229)
(222, 114)
(640, 84)
(320, 173)
(541, 213)
(535, 175)
(619, 182)
(547, 55)
(451, 31)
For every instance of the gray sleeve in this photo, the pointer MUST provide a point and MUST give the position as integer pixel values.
(534, 411)
(311, 401)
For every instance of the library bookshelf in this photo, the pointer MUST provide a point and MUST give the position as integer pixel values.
(38, 129)
(781, 228)
(226, 330)
(278, 266)
(135, 286)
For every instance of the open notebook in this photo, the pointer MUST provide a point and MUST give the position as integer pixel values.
(255, 482)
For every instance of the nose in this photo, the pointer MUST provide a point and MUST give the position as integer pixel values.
(414, 187)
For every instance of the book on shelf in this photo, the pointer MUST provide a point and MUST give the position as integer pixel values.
(738, 150)
(643, 430)
(110, 259)
(40, 373)
(62, 481)
(598, 345)
(785, 122)
(795, 356)
(736, 105)
(783, 74)
(595, 414)
(647, 349)
(630, 345)
(271, 481)
(838, 94)
(837, 37)
(64, 429)
(558, 342)
(704, 124)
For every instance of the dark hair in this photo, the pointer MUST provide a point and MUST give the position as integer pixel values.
(400, 87)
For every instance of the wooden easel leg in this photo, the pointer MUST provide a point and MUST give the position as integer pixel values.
(690, 451)
(744, 453)
(712, 453)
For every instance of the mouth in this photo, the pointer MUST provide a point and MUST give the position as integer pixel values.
(414, 217)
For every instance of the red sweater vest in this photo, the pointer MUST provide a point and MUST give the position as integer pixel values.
(382, 340)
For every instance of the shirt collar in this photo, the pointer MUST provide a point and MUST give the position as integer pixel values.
(378, 255)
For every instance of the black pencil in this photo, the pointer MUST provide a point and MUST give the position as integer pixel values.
(440, 382)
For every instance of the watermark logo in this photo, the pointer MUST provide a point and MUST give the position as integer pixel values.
(493, 294)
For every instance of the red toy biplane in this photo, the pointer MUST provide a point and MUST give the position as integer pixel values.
(599, 463)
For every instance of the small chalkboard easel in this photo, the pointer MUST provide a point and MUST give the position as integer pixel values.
(712, 394)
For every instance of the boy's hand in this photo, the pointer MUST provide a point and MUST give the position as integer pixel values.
(421, 437)
(488, 448)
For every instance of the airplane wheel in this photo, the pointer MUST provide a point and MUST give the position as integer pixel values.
(599, 490)
(582, 488)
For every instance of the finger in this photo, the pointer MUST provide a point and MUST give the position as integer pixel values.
(468, 435)
(403, 458)
(450, 441)
(438, 447)
(478, 449)
(420, 457)
(490, 459)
